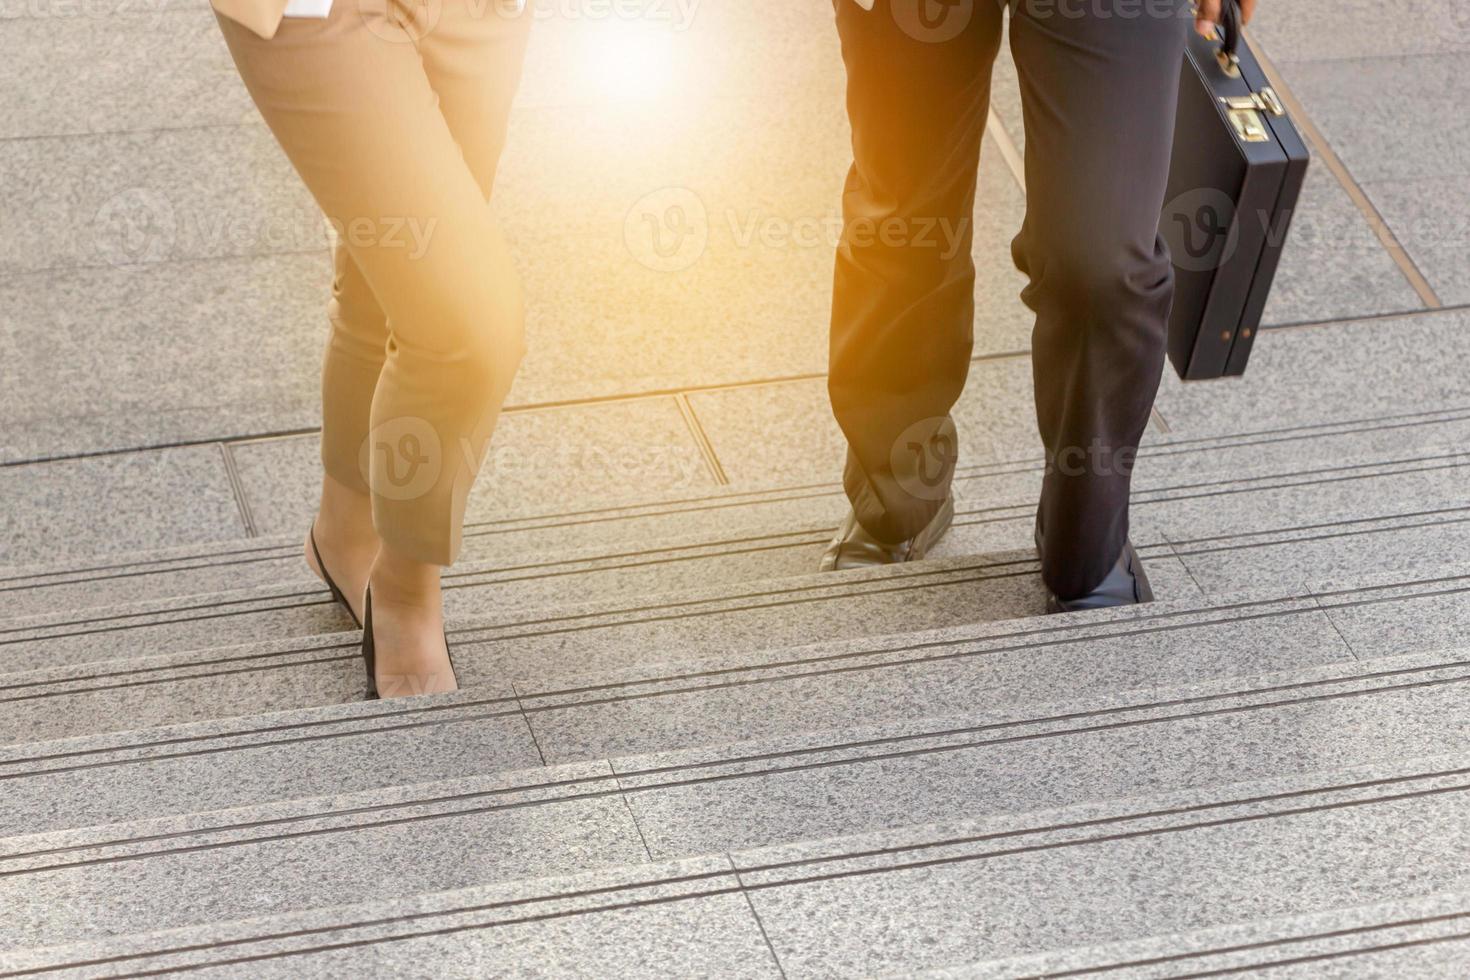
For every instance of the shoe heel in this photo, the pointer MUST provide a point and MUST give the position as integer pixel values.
(369, 651)
(450, 654)
(327, 578)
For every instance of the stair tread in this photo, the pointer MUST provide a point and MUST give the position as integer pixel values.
(422, 753)
(1201, 471)
(721, 653)
(1220, 564)
(1423, 936)
(923, 895)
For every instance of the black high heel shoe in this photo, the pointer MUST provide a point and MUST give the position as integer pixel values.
(370, 653)
(327, 578)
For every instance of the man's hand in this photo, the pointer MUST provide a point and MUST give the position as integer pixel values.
(1208, 15)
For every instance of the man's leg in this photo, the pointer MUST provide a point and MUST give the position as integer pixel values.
(903, 295)
(1099, 81)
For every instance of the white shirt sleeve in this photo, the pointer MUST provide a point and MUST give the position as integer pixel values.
(308, 8)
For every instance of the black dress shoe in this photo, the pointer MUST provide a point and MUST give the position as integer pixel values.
(854, 547)
(327, 578)
(1125, 585)
(370, 652)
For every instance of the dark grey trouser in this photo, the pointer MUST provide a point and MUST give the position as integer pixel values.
(1099, 80)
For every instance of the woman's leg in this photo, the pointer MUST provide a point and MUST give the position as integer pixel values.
(351, 104)
(343, 531)
(472, 55)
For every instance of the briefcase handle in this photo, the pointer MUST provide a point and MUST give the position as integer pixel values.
(1229, 37)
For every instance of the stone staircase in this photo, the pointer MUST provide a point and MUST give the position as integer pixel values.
(679, 751)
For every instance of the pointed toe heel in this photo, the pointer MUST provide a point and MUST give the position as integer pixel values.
(369, 651)
(453, 671)
(337, 594)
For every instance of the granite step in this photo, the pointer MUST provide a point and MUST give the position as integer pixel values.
(1425, 937)
(487, 595)
(1320, 845)
(999, 754)
(1220, 537)
(679, 674)
(780, 529)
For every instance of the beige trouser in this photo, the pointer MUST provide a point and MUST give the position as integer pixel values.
(396, 126)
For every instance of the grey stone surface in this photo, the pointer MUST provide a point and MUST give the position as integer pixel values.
(150, 573)
(1403, 546)
(118, 199)
(608, 645)
(188, 769)
(746, 795)
(547, 538)
(110, 65)
(176, 769)
(187, 623)
(571, 638)
(702, 936)
(128, 350)
(1417, 937)
(906, 910)
(768, 793)
(1185, 466)
(66, 509)
(1333, 265)
(784, 433)
(1390, 118)
(224, 683)
(1294, 522)
(1180, 475)
(876, 681)
(80, 885)
(1391, 519)
(651, 919)
(1005, 102)
(778, 434)
(543, 603)
(995, 501)
(1429, 218)
(541, 462)
(1434, 614)
(1358, 29)
(1424, 958)
(1315, 375)
(753, 305)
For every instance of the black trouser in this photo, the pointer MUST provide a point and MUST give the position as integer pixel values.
(1099, 80)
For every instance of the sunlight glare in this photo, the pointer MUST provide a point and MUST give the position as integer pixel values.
(627, 61)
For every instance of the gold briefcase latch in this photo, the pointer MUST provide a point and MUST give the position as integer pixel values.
(1244, 112)
(1266, 100)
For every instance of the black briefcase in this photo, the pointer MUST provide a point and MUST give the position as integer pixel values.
(1234, 180)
